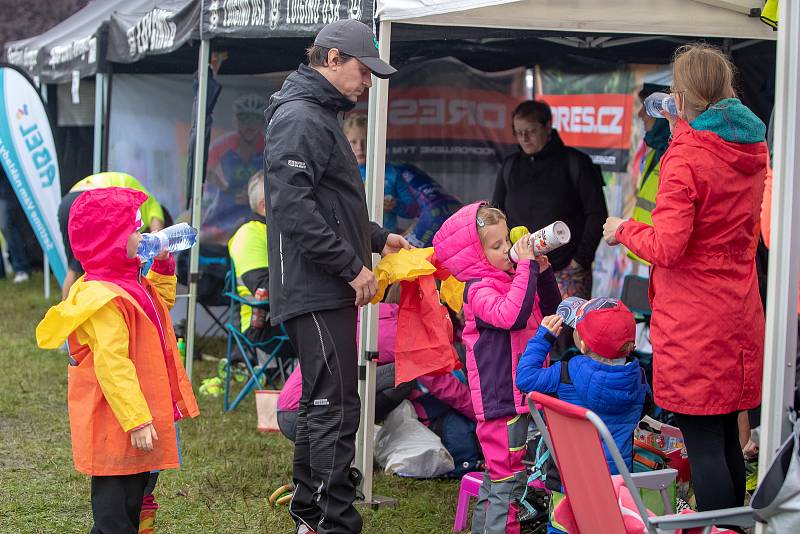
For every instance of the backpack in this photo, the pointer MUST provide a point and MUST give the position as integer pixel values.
(458, 437)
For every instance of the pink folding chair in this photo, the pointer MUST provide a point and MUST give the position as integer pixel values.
(577, 435)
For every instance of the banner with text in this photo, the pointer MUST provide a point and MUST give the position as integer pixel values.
(454, 122)
(592, 112)
(28, 155)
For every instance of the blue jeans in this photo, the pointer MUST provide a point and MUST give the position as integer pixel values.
(10, 221)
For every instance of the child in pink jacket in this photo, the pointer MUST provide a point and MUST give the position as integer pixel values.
(503, 305)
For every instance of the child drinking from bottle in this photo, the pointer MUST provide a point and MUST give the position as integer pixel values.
(503, 305)
(126, 386)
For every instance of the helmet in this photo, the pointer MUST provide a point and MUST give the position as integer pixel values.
(249, 104)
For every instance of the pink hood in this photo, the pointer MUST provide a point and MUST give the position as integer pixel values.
(458, 247)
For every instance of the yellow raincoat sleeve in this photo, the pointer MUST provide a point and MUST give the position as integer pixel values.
(106, 334)
(166, 285)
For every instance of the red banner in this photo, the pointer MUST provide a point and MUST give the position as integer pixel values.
(599, 121)
(436, 112)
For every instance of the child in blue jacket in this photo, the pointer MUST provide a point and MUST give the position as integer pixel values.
(602, 378)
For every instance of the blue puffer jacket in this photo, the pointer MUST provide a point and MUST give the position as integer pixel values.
(616, 393)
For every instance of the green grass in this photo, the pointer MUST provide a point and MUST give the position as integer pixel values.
(229, 468)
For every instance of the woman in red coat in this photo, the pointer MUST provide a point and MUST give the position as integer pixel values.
(707, 327)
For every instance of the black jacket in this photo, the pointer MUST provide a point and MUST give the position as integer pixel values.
(318, 228)
(558, 183)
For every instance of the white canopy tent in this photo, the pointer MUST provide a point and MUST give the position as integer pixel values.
(702, 18)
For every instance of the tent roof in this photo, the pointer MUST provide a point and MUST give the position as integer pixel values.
(643, 17)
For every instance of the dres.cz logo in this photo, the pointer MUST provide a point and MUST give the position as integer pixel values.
(296, 164)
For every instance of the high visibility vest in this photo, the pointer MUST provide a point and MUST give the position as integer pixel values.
(248, 250)
(646, 196)
(769, 13)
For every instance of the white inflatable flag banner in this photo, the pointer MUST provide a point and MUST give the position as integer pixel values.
(28, 155)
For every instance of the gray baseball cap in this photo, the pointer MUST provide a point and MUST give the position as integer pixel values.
(355, 39)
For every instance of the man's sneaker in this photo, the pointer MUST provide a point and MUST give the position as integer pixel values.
(21, 277)
(303, 529)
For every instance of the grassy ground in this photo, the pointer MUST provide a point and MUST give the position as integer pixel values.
(229, 468)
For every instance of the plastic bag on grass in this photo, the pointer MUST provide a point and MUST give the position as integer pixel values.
(406, 447)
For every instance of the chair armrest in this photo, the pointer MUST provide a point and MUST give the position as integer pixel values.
(741, 516)
(654, 480)
(249, 301)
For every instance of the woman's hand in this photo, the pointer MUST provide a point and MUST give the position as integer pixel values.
(610, 230)
(553, 323)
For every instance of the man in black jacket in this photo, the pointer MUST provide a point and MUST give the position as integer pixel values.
(320, 242)
(546, 181)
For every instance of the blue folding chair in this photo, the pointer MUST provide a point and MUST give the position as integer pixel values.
(249, 348)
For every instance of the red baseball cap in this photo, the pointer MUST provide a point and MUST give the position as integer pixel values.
(606, 325)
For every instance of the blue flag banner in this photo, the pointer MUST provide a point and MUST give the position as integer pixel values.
(28, 155)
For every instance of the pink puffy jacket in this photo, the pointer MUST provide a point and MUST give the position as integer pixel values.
(502, 311)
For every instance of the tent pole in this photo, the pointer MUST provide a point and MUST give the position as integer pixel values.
(368, 340)
(98, 122)
(197, 192)
(781, 315)
(46, 266)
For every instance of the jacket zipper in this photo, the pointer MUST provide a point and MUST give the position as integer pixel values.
(335, 217)
(280, 250)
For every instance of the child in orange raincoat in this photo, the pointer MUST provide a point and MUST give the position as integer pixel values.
(126, 385)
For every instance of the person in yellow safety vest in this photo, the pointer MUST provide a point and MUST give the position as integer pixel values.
(248, 250)
(152, 214)
(657, 139)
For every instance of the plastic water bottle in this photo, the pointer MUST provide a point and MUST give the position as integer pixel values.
(173, 238)
(657, 102)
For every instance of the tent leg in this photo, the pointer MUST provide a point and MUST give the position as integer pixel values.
(46, 277)
(197, 192)
(99, 118)
(368, 342)
(781, 314)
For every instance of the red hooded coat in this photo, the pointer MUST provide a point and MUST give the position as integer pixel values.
(707, 328)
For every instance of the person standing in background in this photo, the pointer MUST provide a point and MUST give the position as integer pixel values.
(11, 218)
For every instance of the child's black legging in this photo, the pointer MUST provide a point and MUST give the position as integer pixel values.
(715, 457)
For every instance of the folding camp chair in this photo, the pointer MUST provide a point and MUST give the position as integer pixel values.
(275, 364)
(211, 286)
(577, 435)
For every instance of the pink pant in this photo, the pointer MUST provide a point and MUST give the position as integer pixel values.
(503, 443)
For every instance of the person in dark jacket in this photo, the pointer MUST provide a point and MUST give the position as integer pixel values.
(320, 241)
(546, 181)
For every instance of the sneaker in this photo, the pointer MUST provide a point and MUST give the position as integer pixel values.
(303, 529)
(21, 277)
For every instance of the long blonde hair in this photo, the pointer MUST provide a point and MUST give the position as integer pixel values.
(704, 74)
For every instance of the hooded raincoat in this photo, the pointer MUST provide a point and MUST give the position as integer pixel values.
(707, 328)
(125, 369)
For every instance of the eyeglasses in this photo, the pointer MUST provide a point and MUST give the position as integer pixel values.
(530, 132)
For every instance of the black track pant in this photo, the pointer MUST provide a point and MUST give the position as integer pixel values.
(715, 457)
(117, 503)
(327, 420)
